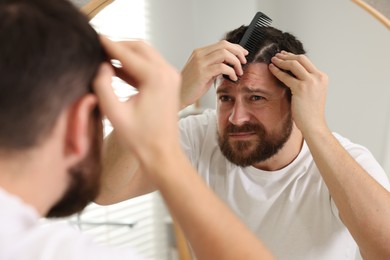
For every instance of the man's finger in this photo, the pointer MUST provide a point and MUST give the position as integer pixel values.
(129, 56)
(284, 77)
(108, 101)
(306, 63)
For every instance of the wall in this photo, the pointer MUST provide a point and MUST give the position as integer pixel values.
(179, 26)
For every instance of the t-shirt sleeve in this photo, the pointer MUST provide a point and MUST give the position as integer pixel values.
(365, 158)
(60, 241)
(193, 130)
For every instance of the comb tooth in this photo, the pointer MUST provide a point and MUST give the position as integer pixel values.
(260, 23)
(263, 22)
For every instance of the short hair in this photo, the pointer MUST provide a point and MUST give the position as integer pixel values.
(49, 55)
(274, 41)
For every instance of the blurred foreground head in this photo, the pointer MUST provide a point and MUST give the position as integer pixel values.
(49, 55)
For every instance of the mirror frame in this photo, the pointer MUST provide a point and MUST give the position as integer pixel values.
(93, 7)
(374, 12)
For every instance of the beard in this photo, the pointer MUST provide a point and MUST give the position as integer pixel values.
(246, 153)
(84, 177)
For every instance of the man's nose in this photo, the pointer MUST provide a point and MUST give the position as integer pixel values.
(240, 114)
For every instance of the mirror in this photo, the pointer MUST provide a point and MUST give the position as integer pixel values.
(341, 38)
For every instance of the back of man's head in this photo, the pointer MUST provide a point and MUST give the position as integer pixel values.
(49, 55)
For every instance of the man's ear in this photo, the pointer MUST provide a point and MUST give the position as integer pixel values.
(78, 134)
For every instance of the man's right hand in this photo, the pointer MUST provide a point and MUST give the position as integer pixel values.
(205, 64)
(147, 122)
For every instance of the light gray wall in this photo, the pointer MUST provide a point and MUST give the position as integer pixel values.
(341, 39)
(180, 26)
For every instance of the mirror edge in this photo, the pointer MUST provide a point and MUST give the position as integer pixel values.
(374, 12)
(93, 7)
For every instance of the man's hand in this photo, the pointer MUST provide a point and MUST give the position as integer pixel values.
(205, 64)
(148, 120)
(308, 87)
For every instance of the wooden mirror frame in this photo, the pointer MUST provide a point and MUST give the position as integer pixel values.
(93, 7)
(374, 12)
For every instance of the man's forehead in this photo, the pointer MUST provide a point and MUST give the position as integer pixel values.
(256, 78)
(229, 88)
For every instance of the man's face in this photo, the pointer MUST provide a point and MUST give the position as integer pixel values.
(254, 116)
(84, 184)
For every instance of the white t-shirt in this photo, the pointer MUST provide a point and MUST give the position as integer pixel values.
(290, 210)
(24, 237)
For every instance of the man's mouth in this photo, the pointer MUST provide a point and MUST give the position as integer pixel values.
(242, 135)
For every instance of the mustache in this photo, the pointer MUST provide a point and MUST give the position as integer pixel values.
(247, 127)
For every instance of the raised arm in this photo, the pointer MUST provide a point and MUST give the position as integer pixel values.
(147, 126)
(363, 203)
(121, 178)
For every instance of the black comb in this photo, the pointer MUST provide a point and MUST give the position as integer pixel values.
(253, 36)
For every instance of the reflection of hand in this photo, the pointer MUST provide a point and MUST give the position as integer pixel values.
(147, 122)
(308, 87)
(205, 64)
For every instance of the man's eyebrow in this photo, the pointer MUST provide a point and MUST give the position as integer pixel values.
(246, 89)
(255, 90)
(222, 90)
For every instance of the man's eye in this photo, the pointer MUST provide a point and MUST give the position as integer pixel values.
(225, 98)
(256, 98)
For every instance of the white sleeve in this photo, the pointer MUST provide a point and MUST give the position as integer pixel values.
(365, 158)
(193, 130)
(60, 241)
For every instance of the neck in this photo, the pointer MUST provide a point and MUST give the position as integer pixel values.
(31, 177)
(286, 155)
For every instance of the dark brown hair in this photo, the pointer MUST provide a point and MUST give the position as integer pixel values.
(49, 55)
(274, 41)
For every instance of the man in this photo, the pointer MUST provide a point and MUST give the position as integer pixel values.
(51, 136)
(268, 153)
